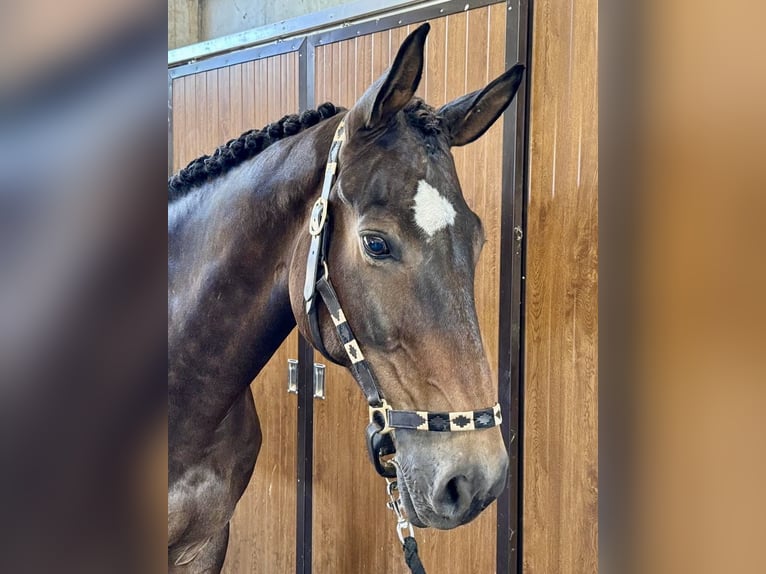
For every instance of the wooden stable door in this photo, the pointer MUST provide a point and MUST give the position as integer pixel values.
(209, 108)
(353, 531)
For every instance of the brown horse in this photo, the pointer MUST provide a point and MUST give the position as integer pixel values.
(402, 258)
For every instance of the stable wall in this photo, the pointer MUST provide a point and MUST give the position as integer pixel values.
(560, 482)
(223, 17)
(192, 21)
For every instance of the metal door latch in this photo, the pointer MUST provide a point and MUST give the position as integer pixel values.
(319, 381)
(292, 376)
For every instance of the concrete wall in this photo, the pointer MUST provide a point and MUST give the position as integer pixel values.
(222, 17)
(191, 21)
(183, 23)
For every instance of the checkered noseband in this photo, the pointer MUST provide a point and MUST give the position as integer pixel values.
(435, 421)
(383, 419)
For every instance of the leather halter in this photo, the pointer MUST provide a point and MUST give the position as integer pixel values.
(383, 419)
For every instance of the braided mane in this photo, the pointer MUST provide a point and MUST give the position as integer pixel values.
(246, 146)
(419, 115)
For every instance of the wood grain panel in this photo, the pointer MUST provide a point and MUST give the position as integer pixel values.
(179, 120)
(209, 109)
(380, 53)
(353, 531)
(561, 440)
(455, 71)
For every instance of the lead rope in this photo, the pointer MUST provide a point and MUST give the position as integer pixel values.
(409, 545)
(411, 556)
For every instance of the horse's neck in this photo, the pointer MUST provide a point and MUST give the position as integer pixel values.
(229, 258)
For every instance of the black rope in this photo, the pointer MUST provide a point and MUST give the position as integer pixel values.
(411, 556)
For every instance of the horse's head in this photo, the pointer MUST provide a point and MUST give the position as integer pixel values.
(402, 256)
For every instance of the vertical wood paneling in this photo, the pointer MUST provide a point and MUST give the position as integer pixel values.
(179, 120)
(247, 93)
(320, 75)
(366, 57)
(201, 123)
(380, 56)
(236, 118)
(434, 90)
(347, 71)
(353, 531)
(561, 440)
(224, 102)
(209, 109)
(212, 127)
(456, 63)
(491, 168)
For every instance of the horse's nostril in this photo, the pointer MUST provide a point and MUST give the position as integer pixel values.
(459, 498)
(453, 497)
(452, 492)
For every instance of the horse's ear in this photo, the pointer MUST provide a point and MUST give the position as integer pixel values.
(468, 117)
(395, 88)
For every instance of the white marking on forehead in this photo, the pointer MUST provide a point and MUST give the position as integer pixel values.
(432, 210)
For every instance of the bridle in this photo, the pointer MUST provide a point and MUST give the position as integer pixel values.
(383, 419)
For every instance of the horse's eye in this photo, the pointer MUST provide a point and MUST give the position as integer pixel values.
(375, 246)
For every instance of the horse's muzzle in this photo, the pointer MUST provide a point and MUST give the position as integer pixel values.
(454, 496)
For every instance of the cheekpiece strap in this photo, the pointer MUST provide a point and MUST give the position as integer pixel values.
(317, 267)
(320, 237)
(360, 368)
(318, 220)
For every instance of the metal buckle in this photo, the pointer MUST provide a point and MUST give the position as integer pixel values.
(382, 410)
(326, 270)
(318, 216)
(395, 504)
